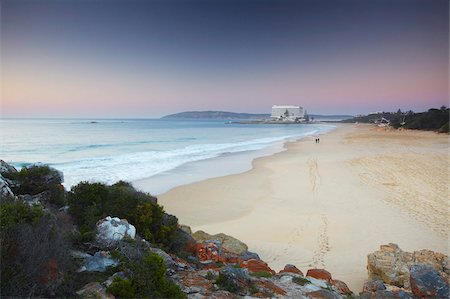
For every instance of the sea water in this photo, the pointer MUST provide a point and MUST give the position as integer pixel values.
(169, 152)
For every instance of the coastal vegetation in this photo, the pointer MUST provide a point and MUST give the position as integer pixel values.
(431, 120)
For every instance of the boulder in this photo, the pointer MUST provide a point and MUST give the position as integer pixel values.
(426, 282)
(323, 294)
(110, 230)
(374, 285)
(386, 294)
(186, 229)
(319, 274)
(269, 288)
(392, 265)
(341, 287)
(229, 243)
(291, 269)
(94, 290)
(5, 167)
(5, 191)
(256, 266)
(99, 262)
(193, 282)
(235, 280)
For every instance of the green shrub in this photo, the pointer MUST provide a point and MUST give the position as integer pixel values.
(122, 288)
(300, 280)
(148, 280)
(86, 204)
(90, 202)
(262, 274)
(13, 213)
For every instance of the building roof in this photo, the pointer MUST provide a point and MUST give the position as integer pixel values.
(285, 106)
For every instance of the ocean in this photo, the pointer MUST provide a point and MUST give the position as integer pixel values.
(166, 153)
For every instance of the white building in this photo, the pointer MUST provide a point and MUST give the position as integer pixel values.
(288, 112)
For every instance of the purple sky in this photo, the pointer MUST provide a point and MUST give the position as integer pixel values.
(151, 58)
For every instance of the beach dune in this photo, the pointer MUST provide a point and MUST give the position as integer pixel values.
(328, 205)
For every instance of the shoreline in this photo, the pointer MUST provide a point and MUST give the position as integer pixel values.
(220, 166)
(327, 205)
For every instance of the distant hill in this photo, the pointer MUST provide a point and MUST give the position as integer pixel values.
(234, 115)
(215, 115)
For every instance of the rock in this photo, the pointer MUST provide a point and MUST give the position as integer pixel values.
(229, 243)
(110, 230)
(168, 261)
(210, 251)
(256, 266)
(291, 269)
(323, 294)
(186, 229)
(392, 265)
(5, 191)
(374, 285)
(318, 282)
(426, 282)
(270, 288)
(341, 287)
(94, 290)
(98, 263)
(249, 256)
(235, 280)
(386, 295)
(319, 274)
(5, 167)
(437, 260)
(193, 282)
(35, 199)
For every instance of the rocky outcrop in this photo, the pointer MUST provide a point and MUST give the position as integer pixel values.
(256, 266)
(426, 282)
(112, 229)
(291, 269)
(229, 243)
(5, 191)
(98, 262)
(395, 273)
(319, 274)
(5, 167)
(392, 265)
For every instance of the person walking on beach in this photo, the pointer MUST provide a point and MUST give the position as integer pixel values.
(318, 140)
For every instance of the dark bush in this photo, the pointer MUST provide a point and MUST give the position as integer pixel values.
(122, 288)
(36, 179)
(35, 252)
(444, 128)
(148, 280)
(90, 202)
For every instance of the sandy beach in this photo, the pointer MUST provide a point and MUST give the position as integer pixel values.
(328, 205)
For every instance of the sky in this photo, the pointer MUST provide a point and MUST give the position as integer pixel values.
(106, 58)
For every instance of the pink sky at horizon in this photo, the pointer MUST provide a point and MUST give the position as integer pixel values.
(80, 62)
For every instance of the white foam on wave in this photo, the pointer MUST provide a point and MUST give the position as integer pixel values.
(135, 166)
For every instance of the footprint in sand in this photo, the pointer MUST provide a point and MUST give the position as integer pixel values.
(314, 176)
(323, 245)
